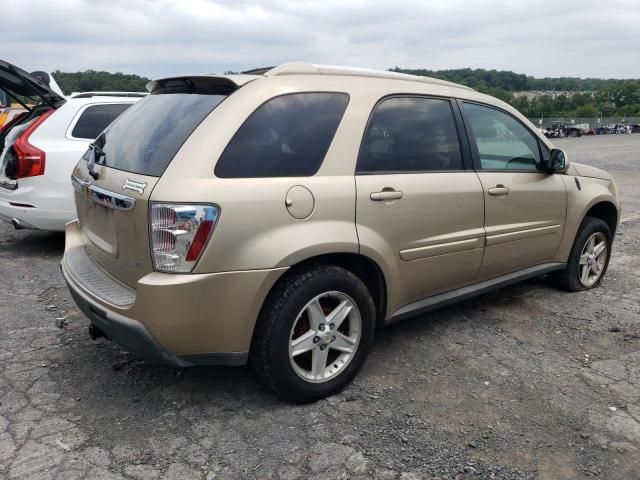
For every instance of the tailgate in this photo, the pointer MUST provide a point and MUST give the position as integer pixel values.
(114, 220)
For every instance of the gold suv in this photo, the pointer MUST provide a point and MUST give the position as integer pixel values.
(282, 215)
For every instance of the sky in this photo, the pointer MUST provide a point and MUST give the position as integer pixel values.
(158, 38)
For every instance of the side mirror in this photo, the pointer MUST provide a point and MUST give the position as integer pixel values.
(557, 162)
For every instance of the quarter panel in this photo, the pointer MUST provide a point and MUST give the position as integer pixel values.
(255, 229)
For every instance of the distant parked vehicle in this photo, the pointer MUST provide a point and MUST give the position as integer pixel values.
(40, 145)
(635, 127)
(563, 129)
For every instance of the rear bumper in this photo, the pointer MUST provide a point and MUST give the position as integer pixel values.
(38, 203)
(180, 320)
(34, 218)
(126, 332)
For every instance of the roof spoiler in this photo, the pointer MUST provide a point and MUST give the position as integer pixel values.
(203, 84)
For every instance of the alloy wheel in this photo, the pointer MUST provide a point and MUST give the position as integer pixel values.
(325, 336)
(593, 259)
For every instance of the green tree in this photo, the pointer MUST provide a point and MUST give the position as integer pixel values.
(586, 111)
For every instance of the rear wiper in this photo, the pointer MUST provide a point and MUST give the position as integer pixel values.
(95, 154)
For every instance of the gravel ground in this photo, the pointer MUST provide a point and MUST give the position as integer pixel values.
(526, 382)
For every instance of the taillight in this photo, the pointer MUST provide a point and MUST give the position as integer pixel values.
(30, 159)
(179, 234)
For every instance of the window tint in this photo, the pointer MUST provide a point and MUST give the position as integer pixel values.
(146, 137)
(410, 135)
(288, 136)
(96, 118)
(503, 142)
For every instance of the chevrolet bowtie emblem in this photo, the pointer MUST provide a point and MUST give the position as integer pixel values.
(135, 186)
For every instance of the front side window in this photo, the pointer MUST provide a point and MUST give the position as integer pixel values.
(410, 134)
(96, 118)
(288, 136)
(503, 142)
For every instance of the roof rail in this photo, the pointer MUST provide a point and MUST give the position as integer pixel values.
(107, 94)
(304, 68)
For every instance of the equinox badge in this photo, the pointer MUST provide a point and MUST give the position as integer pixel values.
(135, 186)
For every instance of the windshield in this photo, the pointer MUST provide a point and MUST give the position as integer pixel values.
(146, 137)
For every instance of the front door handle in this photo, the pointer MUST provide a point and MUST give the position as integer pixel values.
(386, 194)
(499, 190)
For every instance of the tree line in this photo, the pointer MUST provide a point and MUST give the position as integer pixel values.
(96, 81)
(581, 97)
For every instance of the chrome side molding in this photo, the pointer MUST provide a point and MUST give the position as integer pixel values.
(102, 196)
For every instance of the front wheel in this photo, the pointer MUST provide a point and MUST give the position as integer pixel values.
(314, 333)
(589, 257)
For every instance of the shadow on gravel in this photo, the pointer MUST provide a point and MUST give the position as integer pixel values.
(29, 242)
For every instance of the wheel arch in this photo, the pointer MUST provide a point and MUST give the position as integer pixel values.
(604, 210)
(365, 268)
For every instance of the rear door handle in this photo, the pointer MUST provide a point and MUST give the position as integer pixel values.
(386, 194)
(499, 190)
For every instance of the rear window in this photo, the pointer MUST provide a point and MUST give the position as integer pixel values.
(96, 118)
(146, 137)
(288, 136)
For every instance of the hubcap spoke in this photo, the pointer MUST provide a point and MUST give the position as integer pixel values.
(584, 276)
(590, 244)
(342, 343)
(319, 363)
(316, 316)
(337, 316)
(599, 248)
(303, 343)
(584, 259)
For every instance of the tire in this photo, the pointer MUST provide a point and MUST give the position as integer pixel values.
(291, 314)
(571, 278)
(573, 133)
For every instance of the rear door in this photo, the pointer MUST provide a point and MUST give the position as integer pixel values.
(525, 208)
(419, 211)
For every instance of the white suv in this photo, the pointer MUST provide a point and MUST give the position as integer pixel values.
(40, 147)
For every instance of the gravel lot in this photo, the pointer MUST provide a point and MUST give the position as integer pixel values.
(526, 382)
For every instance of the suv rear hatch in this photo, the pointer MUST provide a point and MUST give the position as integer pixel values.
(39, 95)
(114, 181)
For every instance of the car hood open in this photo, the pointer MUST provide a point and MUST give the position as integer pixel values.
(18, 84)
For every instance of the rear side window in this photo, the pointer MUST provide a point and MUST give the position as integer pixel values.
(146, 137)
(410, 134)
(288, 136)
(96, 118)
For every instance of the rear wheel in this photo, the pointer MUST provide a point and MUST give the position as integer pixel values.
(314, 333)
(589, 257)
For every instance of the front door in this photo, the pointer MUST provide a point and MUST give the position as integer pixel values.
(419, 213)
(525, 208)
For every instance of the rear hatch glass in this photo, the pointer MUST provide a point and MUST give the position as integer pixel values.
(146, 137)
